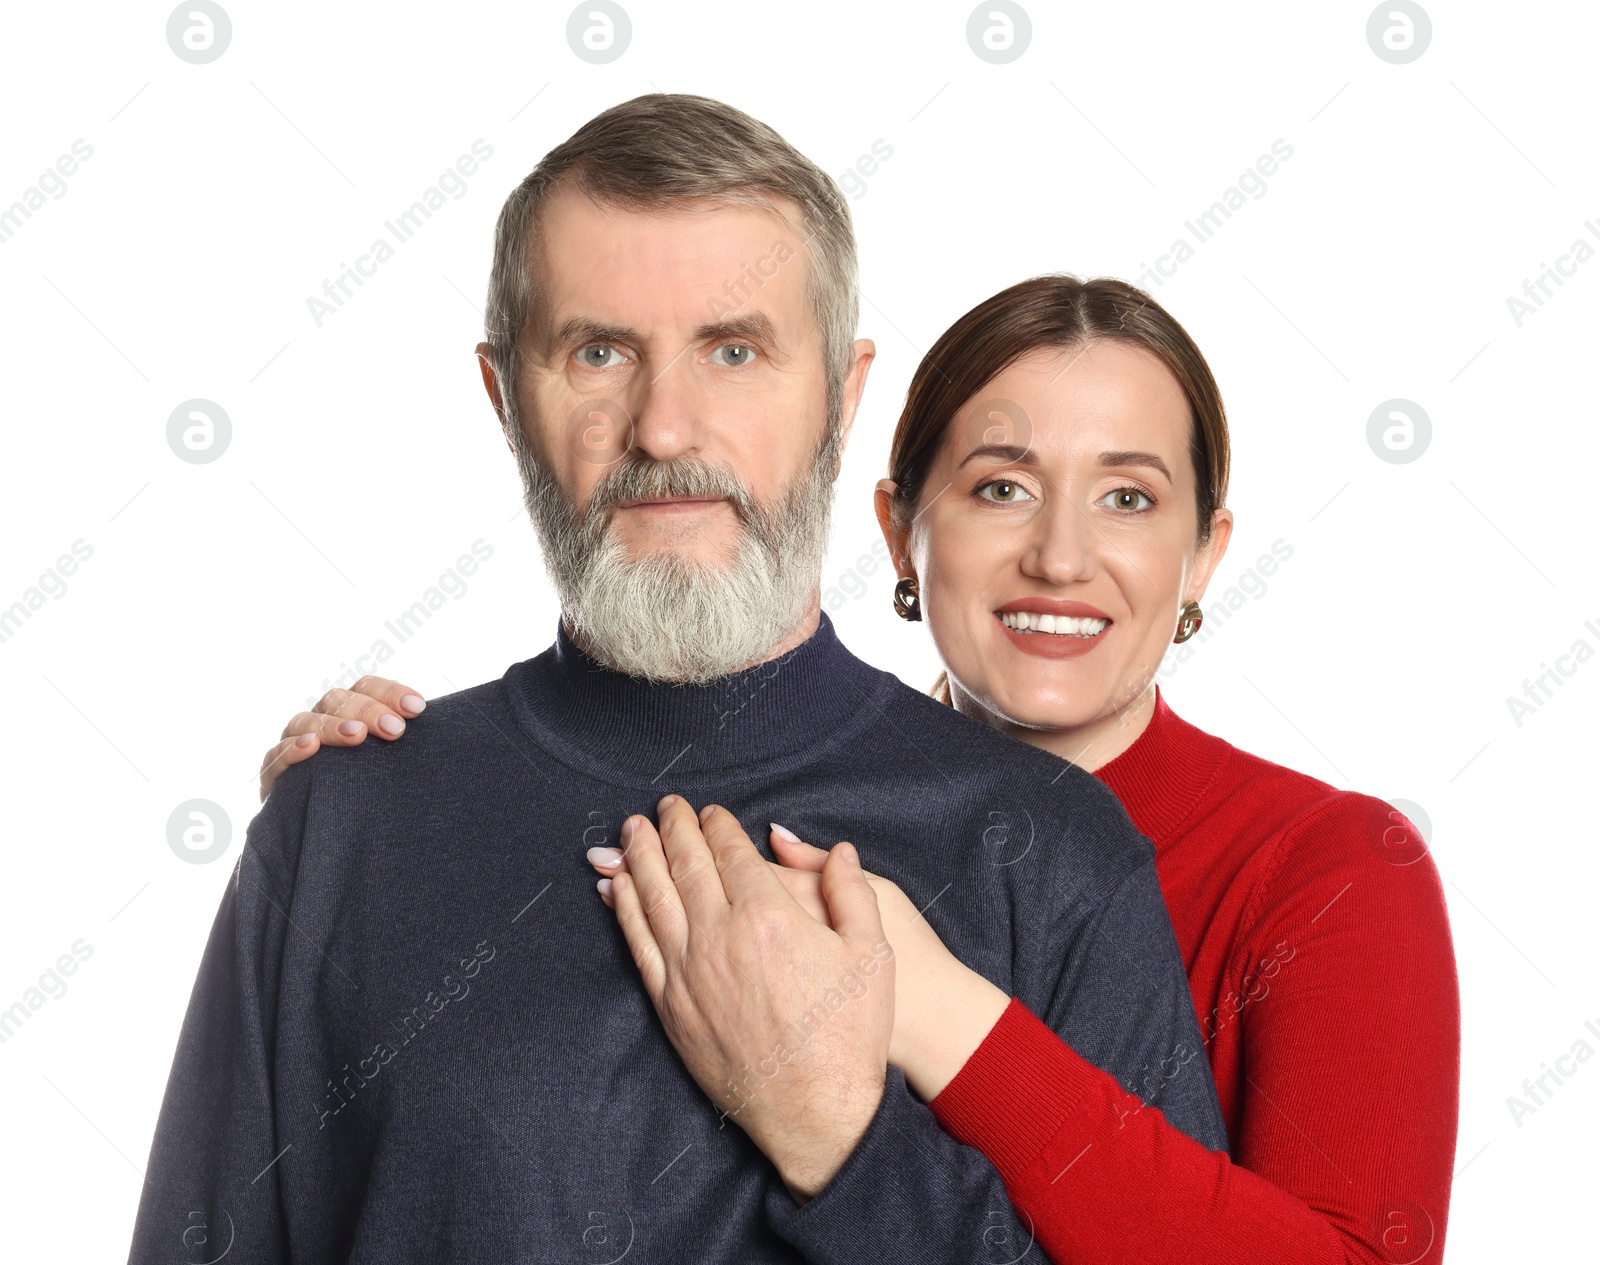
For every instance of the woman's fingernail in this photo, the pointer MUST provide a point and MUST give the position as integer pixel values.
(604, 856)
(412, 702)
(305, 740)
(784, 833)
(628, 827)
(349, 728)
(391, 724)
(604, 887)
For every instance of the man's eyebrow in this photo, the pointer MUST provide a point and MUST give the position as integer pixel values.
(582, 329)
(1136, 459)
(1011, 453)
(757, 327)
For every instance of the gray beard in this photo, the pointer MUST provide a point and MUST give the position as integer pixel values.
(663, 617)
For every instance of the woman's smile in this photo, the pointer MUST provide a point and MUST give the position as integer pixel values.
(1053, 628)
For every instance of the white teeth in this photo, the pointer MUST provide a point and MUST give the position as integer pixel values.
(1057, 625)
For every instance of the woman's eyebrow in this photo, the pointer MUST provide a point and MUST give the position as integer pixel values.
(1011, 453)
(1135, 459)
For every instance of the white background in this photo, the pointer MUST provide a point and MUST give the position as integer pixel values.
(365, 458)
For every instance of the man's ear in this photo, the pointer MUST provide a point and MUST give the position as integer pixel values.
(899, 541)
(862, 353)
(491, 384)
(1209, 556)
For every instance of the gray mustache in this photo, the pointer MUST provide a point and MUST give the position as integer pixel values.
(641, 477)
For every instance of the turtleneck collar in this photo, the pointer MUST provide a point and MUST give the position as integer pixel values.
(1162, 776)
(631, 732)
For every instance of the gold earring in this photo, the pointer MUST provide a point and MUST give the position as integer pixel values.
(1189, 620)
(907, 601)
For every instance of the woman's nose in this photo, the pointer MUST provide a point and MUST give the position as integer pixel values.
(1062, 550)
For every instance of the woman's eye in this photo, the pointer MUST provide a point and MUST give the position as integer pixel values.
(1004, 491)
(599, 356)
(1127, 499)
(733, 355)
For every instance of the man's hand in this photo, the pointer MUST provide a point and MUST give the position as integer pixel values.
(943, 1009)
(783, 1021)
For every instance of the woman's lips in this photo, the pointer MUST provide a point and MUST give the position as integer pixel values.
(1051, 628)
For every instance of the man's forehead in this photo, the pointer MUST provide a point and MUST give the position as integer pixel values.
(680, 265)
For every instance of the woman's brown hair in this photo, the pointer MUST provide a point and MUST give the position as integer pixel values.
(1053, 312)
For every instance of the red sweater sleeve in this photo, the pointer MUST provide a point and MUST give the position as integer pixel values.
(1346, 1134)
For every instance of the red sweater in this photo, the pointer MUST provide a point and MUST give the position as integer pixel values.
(1312, 924)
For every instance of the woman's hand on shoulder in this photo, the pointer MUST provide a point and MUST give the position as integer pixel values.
(342, 718)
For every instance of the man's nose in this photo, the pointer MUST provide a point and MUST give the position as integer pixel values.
(666, 418)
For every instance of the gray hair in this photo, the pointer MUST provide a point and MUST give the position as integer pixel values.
(665, 149)
(666, 618)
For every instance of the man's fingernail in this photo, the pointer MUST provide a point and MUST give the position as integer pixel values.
(604, 856)
(391, 724)
(305, 740)
(604, 887)
(667, 801)
(784, 833)
(349, 728)
(412, 702)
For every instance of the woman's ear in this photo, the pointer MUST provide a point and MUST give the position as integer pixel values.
(899, 541)
(1209, 555)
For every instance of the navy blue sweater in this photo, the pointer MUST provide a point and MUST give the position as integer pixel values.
(418, 1035)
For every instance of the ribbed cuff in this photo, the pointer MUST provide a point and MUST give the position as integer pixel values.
(1011, 1097)
(874, 1211)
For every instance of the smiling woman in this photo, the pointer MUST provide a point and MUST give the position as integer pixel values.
(1075, 429)
(1055, 503)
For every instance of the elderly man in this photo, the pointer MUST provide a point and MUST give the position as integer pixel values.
(418, 1035)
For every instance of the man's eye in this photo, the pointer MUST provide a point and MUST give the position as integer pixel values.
(1004, 491)
(599, 356)
(1129, 500)
(733, 355)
